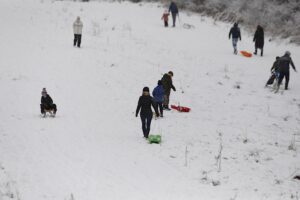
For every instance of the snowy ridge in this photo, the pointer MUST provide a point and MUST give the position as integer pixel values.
(94, 148)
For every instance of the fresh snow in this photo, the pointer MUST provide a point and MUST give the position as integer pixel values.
(94, 149)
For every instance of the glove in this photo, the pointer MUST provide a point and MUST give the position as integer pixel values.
(136, 115)
(174, 89)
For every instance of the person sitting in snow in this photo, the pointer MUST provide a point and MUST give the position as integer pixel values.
(144, 104)
(47, 103)
(236, 35)
(165, 17)
(158, 94)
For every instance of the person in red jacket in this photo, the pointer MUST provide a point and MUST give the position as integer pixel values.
(165, 17)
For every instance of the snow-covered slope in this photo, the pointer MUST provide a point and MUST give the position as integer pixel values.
(94, 148)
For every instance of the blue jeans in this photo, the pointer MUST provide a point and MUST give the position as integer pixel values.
(234, 44)
(146, 123)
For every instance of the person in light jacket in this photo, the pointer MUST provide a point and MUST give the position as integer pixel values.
(77, 29)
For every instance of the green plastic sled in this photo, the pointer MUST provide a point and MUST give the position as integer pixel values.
(154, 139)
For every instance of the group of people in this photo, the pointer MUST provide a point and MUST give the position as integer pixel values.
(78, 25)
(159, 101)
(280, 70)
(173, 9)
(259, 38)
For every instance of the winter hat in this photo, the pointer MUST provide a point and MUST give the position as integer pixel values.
(145, 89)
(44, 90)
(159, 82)
(171, 73)
(287, 53)
(235, 24)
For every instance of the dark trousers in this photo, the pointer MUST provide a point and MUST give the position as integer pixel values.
(166, 24)
(285, 75)
(261, 51)
(48, 107)
(77, 40)
(146, 123)
(160, 106)
(167, 98)
(174, 18)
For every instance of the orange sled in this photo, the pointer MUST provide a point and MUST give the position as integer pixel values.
(181, 108)
(246, 54)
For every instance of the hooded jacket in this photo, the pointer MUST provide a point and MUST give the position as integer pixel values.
(77, 26)
(158, 94)
(259, 37)
(284, 63)
(235, 32)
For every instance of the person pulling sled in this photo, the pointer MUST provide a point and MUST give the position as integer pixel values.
(47, 104)
(144, 105)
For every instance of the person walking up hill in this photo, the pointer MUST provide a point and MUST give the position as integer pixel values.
(144, 105)
(236, 35)
(174, 11)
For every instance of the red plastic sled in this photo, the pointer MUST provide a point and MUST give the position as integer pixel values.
(181, 108)
(246, 54)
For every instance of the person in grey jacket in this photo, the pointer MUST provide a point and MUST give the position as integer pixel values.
(77, 29)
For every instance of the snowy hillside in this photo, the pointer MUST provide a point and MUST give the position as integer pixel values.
(280, 18)
(94, 149)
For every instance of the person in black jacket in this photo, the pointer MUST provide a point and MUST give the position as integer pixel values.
(284, 69)
(174, 11)
(144, 104)
(259, 40)
(167, 84)
(47, 103)
(274, 72)
(236, 34)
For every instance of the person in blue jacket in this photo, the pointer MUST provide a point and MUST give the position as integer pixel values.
(174, 11)
(158, 95)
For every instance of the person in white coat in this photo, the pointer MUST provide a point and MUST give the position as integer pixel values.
(77, 29)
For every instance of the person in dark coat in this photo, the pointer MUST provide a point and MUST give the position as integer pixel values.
(236, 34)
(167, 84)
(284, 69)
(144, 104)
(174, 11)
(158, 95)
(47, 103)
(259, 40)
(274, 72)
